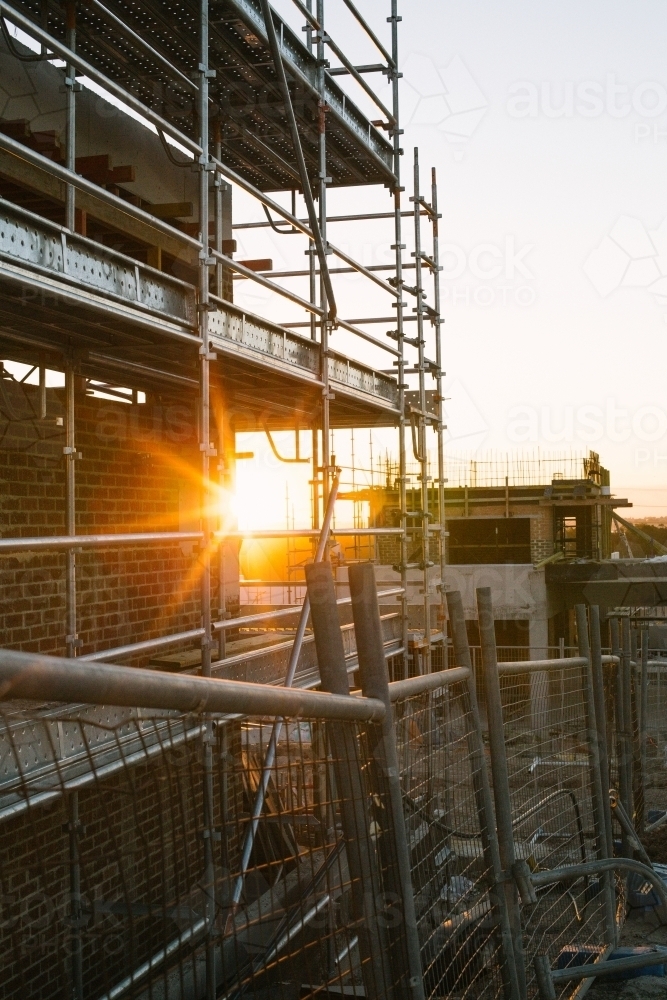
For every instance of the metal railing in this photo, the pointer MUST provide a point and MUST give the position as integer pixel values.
(399, 846)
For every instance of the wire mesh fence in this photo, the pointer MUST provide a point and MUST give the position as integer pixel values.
(121, 852)
(165, 854)
(450, 866)
(654, 736)
(552, 799)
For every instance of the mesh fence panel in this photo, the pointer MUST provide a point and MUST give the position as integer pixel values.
(112, 800)
(655, 753)
(451, 873)
(551, 793)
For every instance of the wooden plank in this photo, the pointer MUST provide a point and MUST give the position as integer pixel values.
(27, 175)
(172, 210)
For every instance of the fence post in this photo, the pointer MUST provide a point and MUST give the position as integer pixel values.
(598, 801)
(643, 717)
(347, 765)
(395, 851)
(601, 721)
(619, 717)
(483, 798)
(501, 788)
(626, 675)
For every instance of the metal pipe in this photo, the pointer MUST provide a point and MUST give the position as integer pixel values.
(574, 872)
(483, 799)
(207, 497)
(501, 788)
(276, 729)
(371, 34)
(351, 791)
(440, 427)
(601, 720)
(54, 678)
(411, 687)
(643, 722)
(398, 248)
(71, 87)
(74, 829)
(593, 749)
(308, 533)
(403, 937)
(306, 191)
(626, 674)
(528, 666)
(629, 830)
(56, 542)
(422, 455)
(610, 967)
(72, 641)
(87, 69)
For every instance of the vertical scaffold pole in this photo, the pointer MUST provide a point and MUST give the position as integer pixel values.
(439, 409)
(626, 681)
(398, 248)
(501, 787)
(643, 722)
(600, 800)
(325, 326)
(72, 642)
(619, 717)
(419, 441)
(483, 799)
(205, 357)
(366, 892)
(394, 849)
(71, 87)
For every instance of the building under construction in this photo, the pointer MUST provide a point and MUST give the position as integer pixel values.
(192, 803)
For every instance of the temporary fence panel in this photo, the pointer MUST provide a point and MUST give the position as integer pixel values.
(451, 873)
(654, 736)
(118, 874)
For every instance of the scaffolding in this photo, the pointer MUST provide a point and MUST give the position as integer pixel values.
(180, 331)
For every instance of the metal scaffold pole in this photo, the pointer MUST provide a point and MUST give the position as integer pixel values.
(418, 425)
(72, 642)
(398, 248)
(439, 398)
(71, 87)
(205, 357)
(325, 305)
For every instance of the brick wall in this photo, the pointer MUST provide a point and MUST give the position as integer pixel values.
(138, 472)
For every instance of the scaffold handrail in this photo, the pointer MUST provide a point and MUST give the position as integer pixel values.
(38, 678)
(528, 666)
(64, 542)
(95, 190)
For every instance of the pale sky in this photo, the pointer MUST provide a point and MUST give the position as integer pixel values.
(547, 123)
